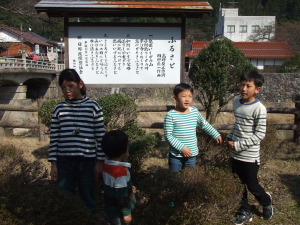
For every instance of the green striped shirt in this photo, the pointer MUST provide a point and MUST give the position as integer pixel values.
(180, 130)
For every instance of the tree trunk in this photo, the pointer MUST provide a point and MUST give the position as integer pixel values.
(214, 112)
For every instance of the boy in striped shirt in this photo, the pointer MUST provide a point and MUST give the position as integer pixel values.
(180, 129)
(119, 199)
(244, 141)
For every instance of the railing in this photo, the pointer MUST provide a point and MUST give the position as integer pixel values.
(163, 108)
(16, 63)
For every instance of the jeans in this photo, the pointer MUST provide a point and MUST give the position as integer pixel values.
(247, 173)
(78, 172)
(178, 163)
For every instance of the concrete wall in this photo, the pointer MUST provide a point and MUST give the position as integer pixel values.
(278, 88)
(230, 17)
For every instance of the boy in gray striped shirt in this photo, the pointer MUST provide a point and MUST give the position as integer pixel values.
(180, 129)
(244, 141)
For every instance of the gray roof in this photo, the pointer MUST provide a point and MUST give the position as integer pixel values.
(57, 8)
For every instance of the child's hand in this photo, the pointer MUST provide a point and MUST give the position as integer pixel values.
(53, 171)
(231, 145)
(98, 169)
(127, 219)
(219, 140)
(186, 152)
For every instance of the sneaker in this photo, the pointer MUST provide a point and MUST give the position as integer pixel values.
(268, 210)
(242, 218)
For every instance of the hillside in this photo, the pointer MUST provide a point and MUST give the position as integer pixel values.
(21, 13)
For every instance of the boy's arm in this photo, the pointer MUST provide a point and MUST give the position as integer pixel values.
(99, 133)
(168, 133)
(259, 133)
(209, 129)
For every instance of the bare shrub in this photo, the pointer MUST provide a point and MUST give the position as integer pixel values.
(28, 198)
(193, 196)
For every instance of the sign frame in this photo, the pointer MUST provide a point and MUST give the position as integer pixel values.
(143, 25)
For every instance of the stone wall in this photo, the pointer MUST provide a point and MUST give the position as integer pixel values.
(281, 87)
(278, 88)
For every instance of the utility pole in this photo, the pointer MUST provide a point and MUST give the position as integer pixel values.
(22, 45)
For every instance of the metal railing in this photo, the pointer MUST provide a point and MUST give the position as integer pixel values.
(17, 63)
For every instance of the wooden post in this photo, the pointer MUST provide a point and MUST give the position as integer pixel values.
(297, 124)
(42, 128)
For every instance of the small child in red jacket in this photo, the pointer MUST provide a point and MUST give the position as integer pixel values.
(119, 199)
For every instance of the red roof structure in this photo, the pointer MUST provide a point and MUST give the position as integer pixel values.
(251, 50)
(27, 36)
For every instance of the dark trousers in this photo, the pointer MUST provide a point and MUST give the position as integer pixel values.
(77, 173)
(247, 173)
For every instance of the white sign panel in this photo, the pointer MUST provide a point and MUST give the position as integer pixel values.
(126, 55)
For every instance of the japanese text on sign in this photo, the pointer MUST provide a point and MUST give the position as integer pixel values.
(126, 55)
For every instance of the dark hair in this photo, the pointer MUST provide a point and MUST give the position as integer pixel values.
(254, 76)
(114, 143)
(182, 87)
(71, 75)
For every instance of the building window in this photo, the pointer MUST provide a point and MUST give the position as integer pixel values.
(230, 28)
(243, 28)
(255, 28)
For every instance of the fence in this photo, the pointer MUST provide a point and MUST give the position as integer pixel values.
(17, 63)
(162, 108)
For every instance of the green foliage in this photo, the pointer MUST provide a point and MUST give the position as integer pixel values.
(216, 73)
(292, 65)
(119, 110)
(45, 111)
(140, 149)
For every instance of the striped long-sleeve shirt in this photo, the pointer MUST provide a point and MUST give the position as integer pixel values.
(118, 194)
(248, 131)
(180, 130)
(76, 129)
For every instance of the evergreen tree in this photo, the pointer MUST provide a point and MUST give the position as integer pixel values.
(215, 74)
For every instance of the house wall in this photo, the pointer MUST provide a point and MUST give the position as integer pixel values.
(8, 37)
(230, 17)
(14, 49)
(261, 63)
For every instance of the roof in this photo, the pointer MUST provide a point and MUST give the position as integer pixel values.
(254, 50)
(27, 36)
(58, 8)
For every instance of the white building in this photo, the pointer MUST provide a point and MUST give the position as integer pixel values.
(244, 28)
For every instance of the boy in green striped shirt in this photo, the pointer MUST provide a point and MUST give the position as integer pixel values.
(180, 129)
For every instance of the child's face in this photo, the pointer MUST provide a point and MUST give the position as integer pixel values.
(184, 99)
(71, 89)
(248, 91)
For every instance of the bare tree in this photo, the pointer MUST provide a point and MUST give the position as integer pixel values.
(266, 33)
(21, 7)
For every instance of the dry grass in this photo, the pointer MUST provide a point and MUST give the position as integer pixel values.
(209, 197)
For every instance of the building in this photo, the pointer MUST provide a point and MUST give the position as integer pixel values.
(266, 56)
(13, 42)
(244, 28)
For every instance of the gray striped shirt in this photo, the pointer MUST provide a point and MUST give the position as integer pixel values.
(180, 130)
(248, 131)
(85, 116)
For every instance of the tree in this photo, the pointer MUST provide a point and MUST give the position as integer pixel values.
(215, 74)
(266, 33)
(292, 65)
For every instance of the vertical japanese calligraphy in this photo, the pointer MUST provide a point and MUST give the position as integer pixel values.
(126, 55)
